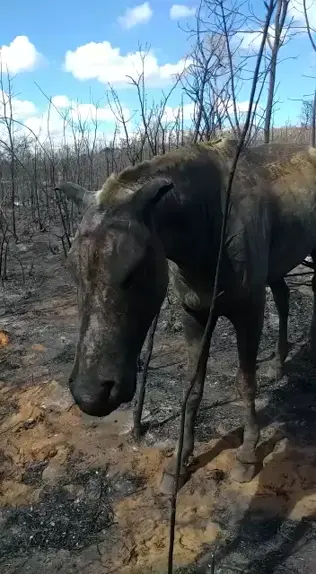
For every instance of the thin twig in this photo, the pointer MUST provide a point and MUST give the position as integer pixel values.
(204, 349)
(137, 428)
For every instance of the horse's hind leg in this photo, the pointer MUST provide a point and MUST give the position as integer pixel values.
(312, 332)
(281, 296)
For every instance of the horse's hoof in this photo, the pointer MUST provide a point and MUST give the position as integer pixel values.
(243, 472)
(167, 484)
(275, 373)
(137, 433)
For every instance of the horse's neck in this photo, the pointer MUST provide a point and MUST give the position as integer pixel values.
(186, 230)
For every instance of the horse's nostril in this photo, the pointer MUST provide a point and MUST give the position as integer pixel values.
(94, 397)
(107, 385)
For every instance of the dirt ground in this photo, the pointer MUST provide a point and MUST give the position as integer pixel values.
(78, 495)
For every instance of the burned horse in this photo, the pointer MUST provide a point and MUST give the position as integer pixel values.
(171, 209)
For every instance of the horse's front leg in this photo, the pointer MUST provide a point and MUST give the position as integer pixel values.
(248, 322)
(194, 323)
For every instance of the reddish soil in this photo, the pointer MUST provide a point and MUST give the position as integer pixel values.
(78, 495)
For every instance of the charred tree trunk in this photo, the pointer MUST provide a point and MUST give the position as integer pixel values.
(275, 46)
(314, 121)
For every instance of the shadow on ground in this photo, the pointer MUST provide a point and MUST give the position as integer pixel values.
(274, 530)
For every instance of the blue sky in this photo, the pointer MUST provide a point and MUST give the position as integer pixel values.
(54, 28)
(62, 25)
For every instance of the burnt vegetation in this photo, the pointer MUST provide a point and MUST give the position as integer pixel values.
(37, 226)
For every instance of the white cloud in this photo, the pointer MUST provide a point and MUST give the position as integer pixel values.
(19, 56)
(295, 16)
(252, 39)
(61, 101)
(90, 112)
(178, 11)
(57, 121)
(227, 108)
(249, 39)
(242, 107)
(100, 61)
(140, 14)
(23, 108)
(20, 108)
(296, 10)
(48, 124)
(172, 113)
(86, 111)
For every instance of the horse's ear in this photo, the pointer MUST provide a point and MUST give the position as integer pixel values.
(78, 194)
(150, 194)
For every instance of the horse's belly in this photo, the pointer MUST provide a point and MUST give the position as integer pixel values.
(290, 251)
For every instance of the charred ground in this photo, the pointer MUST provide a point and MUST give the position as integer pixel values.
(77, 494)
